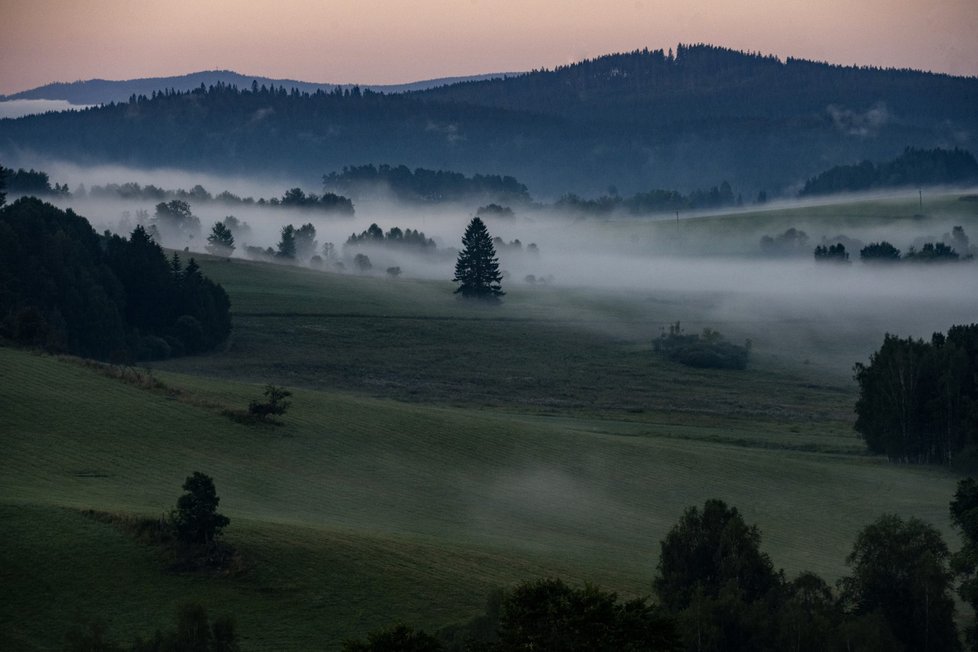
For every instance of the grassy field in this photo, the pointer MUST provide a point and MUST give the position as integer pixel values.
(434, 450)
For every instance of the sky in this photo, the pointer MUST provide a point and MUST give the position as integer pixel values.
(397, 41)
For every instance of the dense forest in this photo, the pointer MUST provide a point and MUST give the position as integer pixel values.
(915, 167)
(65, 288)
(637, 120)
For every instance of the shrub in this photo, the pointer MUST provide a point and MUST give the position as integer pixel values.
(274, 403)
(706, 351)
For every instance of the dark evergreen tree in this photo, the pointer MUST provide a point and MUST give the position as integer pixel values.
(477, 268)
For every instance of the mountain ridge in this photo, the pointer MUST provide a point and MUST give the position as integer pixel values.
(636, 121)
(103, 91)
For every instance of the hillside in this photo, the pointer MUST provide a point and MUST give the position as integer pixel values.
(636, 121)
(437, 449)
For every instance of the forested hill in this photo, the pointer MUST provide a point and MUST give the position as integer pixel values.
(704, 82)
(637, 121)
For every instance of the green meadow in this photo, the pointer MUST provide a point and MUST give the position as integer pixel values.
(434, 450)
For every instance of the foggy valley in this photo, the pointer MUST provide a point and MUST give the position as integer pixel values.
(664, 349)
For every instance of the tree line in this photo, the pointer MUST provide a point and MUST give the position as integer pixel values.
(66, 288)
(423, 185)
(653, 201)
(292, 198)
(914, 167)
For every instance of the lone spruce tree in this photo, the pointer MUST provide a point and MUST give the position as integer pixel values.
(477, 268)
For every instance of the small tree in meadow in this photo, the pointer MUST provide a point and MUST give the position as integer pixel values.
(477, 268)
(196, 519)
(273, 405)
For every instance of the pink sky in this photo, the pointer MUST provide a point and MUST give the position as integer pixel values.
(391, 41)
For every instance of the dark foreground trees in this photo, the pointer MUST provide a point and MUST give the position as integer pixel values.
(477, 268)
(918, 401)
(193, 632)
(964, 563)
(900, 570)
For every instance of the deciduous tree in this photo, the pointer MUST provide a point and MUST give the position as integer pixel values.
(900, 569)
(196, 518)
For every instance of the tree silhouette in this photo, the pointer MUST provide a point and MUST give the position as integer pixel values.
(477, 268)
(221, 241)
(196, 518)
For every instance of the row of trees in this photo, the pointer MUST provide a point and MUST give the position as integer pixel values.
(423, 185)
(884, 252)
(411, 238)
(67, 289)
(717, 590)
(918, 400)
(293, 198)
(647, 203)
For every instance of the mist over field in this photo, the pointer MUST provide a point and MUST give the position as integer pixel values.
(627, 276)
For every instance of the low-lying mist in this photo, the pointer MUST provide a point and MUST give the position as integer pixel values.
(704, 271)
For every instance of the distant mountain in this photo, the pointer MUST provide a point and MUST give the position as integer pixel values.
(103, 91)
(636, 121)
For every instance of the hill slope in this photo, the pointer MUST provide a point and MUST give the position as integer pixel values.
(362, 509)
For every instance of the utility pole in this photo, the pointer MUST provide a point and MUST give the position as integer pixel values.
(920, 194)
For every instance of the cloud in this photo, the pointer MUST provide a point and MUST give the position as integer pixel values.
(20, 108)
(854, 123)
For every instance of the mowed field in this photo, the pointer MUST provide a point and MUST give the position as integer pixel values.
(434, 450)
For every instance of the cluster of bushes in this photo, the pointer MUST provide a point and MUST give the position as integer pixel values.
(790, 243)
(717, 590)
(918, 400)
(708, 350)
(495, 211)
(65, 288)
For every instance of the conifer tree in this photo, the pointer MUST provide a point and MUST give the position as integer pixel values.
(477, 268)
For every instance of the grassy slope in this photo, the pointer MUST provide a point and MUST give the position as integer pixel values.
(434, 450)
